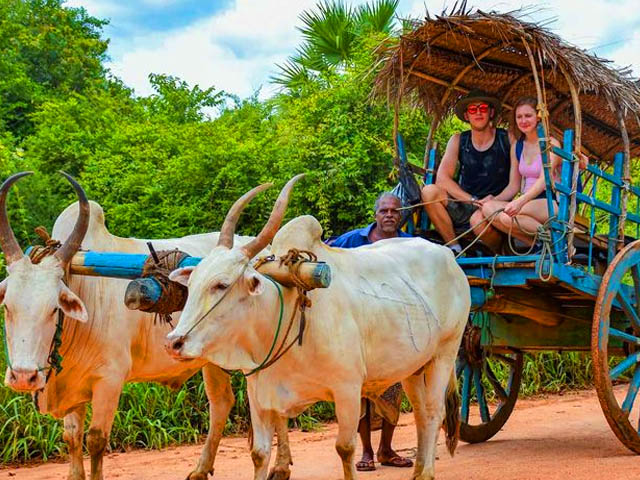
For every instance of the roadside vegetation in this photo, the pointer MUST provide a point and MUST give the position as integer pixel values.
(162, 166)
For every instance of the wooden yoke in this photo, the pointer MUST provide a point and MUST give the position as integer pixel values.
(146, 293)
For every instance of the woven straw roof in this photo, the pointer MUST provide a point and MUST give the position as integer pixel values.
(446, 56)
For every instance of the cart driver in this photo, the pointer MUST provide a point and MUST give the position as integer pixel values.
(385, 412)
(481, 155)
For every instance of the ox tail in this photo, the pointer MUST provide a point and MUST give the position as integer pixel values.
(451, 422)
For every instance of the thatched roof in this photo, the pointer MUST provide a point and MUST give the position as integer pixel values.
(448, 55)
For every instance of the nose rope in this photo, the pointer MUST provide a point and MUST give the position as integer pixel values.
(199, 321)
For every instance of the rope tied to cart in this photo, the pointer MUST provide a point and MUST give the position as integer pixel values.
(542, 235)
(159, 265)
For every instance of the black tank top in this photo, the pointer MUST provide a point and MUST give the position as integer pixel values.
(484, 173)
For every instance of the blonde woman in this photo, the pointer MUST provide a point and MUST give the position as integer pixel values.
(522, 215)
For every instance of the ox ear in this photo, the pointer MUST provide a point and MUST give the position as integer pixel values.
(3, 289)
(181, 275)
(71, 305)
(254, 282)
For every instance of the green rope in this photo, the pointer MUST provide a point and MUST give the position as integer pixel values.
(275, 338)
(55, 358)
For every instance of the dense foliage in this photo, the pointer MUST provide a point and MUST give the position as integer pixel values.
(160, 166)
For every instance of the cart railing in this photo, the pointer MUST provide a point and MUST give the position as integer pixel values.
(613, 207)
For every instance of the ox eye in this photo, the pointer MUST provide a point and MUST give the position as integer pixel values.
(219, 286)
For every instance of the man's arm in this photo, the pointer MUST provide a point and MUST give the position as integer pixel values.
(447, 170)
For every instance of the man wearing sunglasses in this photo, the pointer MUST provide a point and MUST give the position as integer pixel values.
(481, 156)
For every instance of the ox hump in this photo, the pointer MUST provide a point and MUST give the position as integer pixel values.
(65, 222)
(302, 232)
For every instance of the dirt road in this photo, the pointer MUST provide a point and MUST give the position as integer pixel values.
(555, 438)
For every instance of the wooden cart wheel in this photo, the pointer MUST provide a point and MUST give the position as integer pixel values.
(480, 373)
(615, 345)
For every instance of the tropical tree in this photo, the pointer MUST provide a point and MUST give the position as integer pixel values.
(47, 51)
(331, 35)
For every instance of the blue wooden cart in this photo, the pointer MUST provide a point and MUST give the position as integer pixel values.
(583, 292)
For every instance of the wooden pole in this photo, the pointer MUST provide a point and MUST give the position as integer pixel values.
(577, 113)
(626, 176)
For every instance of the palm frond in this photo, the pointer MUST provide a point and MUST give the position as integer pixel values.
(292, 75)
(377, 17)
(331, 30)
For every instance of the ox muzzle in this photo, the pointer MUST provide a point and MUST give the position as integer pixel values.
(175, 347)
(25, 379)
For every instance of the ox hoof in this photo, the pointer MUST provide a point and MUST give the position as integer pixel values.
(279, 473)
(198, 476)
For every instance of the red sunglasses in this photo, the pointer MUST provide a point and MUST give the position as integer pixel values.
(473, 109)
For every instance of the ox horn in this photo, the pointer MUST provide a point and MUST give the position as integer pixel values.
(72, 244)
(269, 231)
(229, 226)
(8, 242)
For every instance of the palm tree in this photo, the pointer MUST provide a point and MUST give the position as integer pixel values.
(330, 35)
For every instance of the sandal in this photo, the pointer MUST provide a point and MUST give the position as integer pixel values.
(365, 466)
(397, 461)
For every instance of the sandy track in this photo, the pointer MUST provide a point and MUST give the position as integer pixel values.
(559, 437)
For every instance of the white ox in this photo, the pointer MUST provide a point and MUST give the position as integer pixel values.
(395, 311)
(104, 345)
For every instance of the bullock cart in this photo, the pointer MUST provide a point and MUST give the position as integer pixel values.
(582, 291)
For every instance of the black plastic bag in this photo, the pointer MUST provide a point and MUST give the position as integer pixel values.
(407, 189)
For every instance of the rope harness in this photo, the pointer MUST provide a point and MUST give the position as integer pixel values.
(292, 260)
(159, 265)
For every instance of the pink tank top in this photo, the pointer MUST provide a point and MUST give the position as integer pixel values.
(531, 172)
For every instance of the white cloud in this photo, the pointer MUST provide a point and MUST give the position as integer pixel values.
(629, 53)
(237, 49)
(99, 8)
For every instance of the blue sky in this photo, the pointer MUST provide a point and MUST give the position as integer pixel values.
(234, 45)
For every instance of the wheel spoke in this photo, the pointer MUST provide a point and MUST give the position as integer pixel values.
(495, 383)
(466, 394)
(625, 365)
(505, 359)
(628, 308)
(624, 336)
(635, 273)
(480, 395)
(627, 405)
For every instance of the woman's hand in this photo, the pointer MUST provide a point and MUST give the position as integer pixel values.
(514, 206)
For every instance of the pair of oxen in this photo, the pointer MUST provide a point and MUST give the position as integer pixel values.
(395, 311)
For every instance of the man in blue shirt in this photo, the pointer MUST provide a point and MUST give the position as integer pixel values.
(387, 225)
